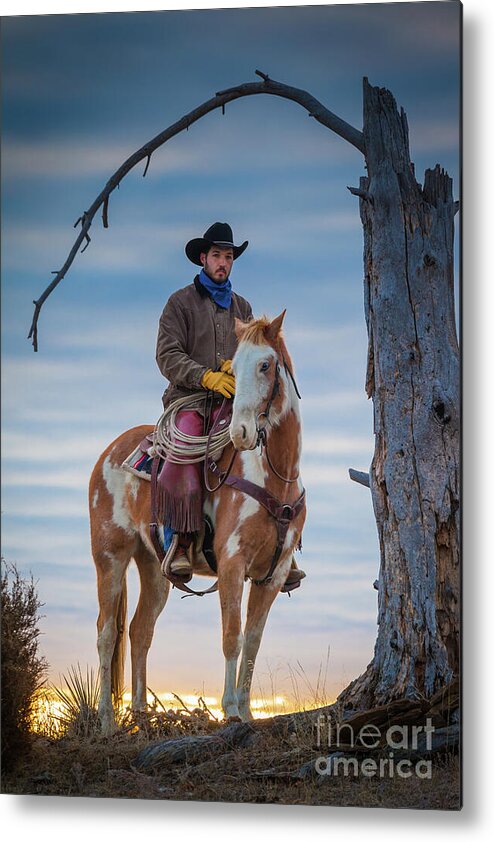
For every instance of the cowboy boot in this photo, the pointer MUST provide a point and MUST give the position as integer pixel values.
(180, 564)
(295, 576)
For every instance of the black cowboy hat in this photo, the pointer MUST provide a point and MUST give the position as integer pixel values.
(219, 234)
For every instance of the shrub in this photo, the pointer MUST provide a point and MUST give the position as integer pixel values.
(23, 669)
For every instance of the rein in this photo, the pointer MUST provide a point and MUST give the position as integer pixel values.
(219, 420)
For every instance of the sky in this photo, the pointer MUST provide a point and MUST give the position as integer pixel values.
(80, 94)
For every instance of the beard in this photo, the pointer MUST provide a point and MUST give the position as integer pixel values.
(216, 275)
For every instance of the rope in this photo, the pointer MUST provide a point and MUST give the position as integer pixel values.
(179, 447)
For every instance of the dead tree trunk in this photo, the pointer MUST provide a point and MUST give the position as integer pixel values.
(413, 379)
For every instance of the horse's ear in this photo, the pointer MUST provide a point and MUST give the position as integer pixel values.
(240, 328)
(272, 331)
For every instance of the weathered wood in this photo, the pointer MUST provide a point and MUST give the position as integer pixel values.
(400, 712)
(413, 379)
(359, 476)
(198, 749)
(192, 749)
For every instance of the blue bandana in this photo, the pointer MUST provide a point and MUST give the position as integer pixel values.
(220, 293)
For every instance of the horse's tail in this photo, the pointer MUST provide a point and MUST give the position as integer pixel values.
(118, 657)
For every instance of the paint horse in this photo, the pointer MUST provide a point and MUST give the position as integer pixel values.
(250, 532)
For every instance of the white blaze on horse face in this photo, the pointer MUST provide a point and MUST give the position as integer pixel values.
(252, 390)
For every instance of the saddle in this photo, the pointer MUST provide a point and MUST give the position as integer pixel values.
(140, 461)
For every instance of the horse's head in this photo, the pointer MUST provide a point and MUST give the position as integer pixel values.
(261, 388)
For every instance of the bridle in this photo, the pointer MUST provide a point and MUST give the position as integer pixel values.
(262, 440)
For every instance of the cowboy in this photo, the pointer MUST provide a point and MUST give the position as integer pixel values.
(196, 343)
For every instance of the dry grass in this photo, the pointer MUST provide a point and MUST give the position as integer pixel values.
(102, 767)
(97, 766)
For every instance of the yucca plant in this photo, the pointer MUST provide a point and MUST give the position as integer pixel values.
(78, 716)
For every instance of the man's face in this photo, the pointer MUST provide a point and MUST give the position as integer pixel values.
(217, 263)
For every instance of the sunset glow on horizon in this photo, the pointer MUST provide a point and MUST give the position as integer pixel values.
(50, 711)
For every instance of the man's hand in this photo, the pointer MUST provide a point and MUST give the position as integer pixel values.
(219, 381)
(227, 366)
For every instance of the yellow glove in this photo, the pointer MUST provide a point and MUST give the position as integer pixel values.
(219, 381)
(227, 366)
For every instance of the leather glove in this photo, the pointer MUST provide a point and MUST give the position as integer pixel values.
(227, 367)
(219, 381)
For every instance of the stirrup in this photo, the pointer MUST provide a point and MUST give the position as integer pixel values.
(167, 562)
(292, 581)
(290, 587)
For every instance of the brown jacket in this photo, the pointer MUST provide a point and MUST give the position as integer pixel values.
(194, 335)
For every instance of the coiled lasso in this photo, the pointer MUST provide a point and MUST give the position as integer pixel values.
(179, 447)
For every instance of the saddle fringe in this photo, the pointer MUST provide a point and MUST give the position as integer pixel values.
(182, 514)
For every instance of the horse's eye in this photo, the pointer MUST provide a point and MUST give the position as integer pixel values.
(265, 365)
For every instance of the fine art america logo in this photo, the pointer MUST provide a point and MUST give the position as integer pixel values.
(397, 741)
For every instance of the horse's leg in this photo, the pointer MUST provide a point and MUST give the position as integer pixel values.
(111, 569)
(261, 597)
(152, 600)
(230, 586)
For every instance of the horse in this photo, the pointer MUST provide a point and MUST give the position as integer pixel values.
(254, 537)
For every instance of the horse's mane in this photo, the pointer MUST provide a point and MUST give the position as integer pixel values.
(254, 331)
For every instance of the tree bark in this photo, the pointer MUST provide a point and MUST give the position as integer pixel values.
(413, 380)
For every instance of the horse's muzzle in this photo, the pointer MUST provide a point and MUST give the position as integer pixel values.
(243, 434)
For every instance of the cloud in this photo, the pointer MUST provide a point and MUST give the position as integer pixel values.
(43, 370)
(233, 145)
(324, 444)
(39, 506)
(434, 135)
(75, 477)
(328, 226)
(323, 475)
(73, 159)
(142, 246)
(126, 247)
(46, 542)
(323, 403)
(36, 447)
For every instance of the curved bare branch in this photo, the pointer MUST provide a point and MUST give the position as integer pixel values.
(267, 86)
